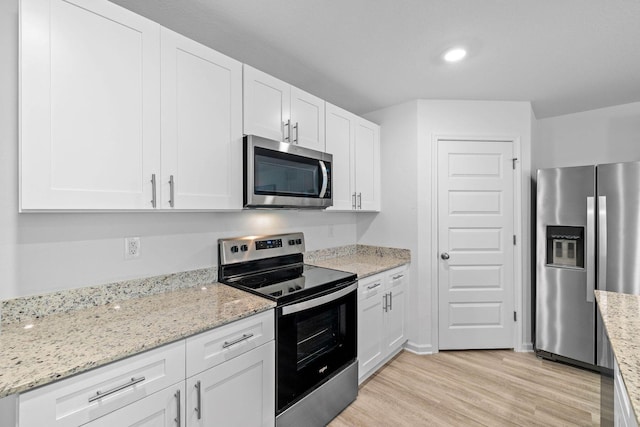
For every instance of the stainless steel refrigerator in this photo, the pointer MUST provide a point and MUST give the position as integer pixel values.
(587, 237)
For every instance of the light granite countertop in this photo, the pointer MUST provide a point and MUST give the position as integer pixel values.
(38, 351)
(362, 260)
(621, 318)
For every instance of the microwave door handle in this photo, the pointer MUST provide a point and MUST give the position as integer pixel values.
(325, 179)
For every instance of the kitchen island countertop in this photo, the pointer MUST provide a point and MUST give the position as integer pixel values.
(43, 350)
(621, 318)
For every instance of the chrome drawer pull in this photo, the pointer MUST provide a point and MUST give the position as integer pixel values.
(199, 400)
(374, 285)
(101, 394)
(399, 276)
(236, 341)
(178, 419)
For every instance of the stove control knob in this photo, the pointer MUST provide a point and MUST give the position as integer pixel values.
(244, 248)
(292, 242)
(234, 249)
(298, 241)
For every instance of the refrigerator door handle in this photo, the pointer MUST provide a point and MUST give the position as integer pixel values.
(602, 243)
(591, 247)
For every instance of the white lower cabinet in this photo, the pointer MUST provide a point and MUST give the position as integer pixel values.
(623, 414)
(239, 392)
(230, 381)
(381, 319)
(161, 409)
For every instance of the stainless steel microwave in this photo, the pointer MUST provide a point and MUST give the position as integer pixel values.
(283, 175)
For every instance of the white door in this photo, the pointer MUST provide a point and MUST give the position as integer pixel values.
(367, 155)
(238, 392)
(307, 120)
(475, 238)
(164, 408)
(201, 126)
(340, 133)
(267, 105)
(89, 106)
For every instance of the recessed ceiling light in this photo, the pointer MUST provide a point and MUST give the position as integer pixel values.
(454, 55)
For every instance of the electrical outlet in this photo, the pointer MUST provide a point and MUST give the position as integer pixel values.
(131, 247)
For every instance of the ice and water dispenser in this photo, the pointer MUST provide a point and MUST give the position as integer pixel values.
(565, 246)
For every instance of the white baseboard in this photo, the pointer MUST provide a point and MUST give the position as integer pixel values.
(419, 349)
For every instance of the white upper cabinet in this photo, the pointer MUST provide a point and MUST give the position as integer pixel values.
(340, 136)
(201, 126)
(276, 110)
(89, 106)
(355, 145)
(367, 156)
(307, 120)
(105, 95)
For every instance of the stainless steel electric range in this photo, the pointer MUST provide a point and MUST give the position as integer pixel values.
(316, 330)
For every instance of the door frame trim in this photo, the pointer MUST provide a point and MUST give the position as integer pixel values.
(518, 291)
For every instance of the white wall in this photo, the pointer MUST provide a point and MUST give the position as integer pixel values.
(46, 252)
(395, 225)
(472, 119)
(605, 135)
(406, 220)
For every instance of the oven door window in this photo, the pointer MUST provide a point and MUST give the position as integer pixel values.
(283, 174)
(313, 345)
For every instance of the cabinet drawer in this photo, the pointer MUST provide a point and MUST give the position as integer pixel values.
(370, 287)
(75, 401)
(211, 348)
(397, 276)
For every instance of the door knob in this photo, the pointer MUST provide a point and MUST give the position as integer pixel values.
(444, 256)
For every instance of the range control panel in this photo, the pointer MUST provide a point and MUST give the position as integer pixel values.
(251, 248)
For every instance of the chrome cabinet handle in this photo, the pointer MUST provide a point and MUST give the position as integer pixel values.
(153, 190)
(359, 200)
(237, 340)
(398, 276)
(198, 400)
(101, 394)
(295, 141)
(353, 200)
(375, 285)
(390, 300)
(384, 304)
(178, 418)
(287, 124)
(171, 191)
(444, 256)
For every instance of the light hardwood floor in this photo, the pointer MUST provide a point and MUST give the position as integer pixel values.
(475, 388)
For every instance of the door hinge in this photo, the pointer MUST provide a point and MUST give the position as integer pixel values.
(514, 240)
(514, 160)
(515, 316)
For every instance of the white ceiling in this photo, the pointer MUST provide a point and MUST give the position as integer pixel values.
(564, 56)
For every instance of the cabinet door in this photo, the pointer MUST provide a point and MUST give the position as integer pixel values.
(89, 106)
(162, 409)
(307, 120)
(340, 134)
(367, 154)
(239, 392)
(201, 126)
(266, 105)
(370, 323)
(395, 319)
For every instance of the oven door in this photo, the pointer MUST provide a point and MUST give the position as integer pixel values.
(281, 175)
(315, 340)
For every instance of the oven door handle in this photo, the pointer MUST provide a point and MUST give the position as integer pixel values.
(305, 305)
